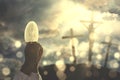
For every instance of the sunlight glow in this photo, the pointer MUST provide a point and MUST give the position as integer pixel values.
(107, 39)
(94, 36)
(70, 15)
(83, 46)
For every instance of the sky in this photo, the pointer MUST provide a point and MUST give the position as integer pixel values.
(55, 18)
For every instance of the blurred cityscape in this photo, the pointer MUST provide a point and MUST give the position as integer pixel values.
(71, 32)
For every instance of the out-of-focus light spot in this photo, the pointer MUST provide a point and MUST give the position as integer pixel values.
(88, 73)
(18, 44)
(96, 62)
(60, 65)
(1, 58)
(101, 46)
(99, 57)
(45, 63)
(98, 66)
(83, 46)
(71, 58)
(19, 54)
(96, 47)
(58, 53)
(74, 42)
(2, 24)
(93, 36)
(88, 64)
(6, 71)
(61, 75)
(82, 54)
(114, 64)
(45, 72)
(109, 31)
(72, 68)
(117, 55)
(112, 74)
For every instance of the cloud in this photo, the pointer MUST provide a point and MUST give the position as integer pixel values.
(93, 4)
(16, 13)
(23, 9)
(112, 6)
(54, 18)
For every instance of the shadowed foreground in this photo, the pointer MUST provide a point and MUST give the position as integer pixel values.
(78, 72)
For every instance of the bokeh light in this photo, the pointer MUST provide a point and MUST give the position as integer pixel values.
(83, 54)
(19, 54)
(18, 44)
(60, 64)
(71, 58)
(83, 46)
(58, 53)
(99, 57)
(45, 63)
(117, 55)
(45, 72)
(88, 64)
(61, 75)
(114, 64)
(74, 42)
(6, 71)
(72, 68)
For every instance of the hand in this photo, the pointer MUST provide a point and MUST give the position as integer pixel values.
(33, 52)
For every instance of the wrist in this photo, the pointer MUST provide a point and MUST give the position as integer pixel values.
(29, 68)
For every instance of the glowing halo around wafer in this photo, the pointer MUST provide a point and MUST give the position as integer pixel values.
(31, 33)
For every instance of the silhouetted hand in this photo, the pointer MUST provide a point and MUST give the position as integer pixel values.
(33, 52)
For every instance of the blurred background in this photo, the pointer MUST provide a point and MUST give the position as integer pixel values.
(95, 21)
